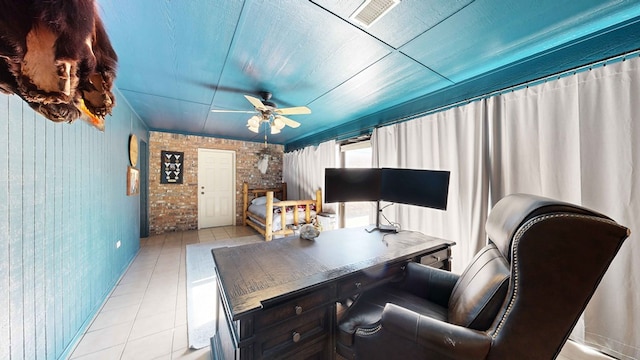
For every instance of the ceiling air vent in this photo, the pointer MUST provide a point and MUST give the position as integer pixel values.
(371, 11)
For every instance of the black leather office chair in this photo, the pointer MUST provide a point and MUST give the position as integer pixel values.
(519, 298)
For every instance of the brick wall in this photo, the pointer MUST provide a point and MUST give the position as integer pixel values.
(174, 207)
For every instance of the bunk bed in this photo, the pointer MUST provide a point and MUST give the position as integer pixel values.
(266, 210)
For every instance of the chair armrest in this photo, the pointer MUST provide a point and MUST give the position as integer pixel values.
(429, 283)
(452, 341)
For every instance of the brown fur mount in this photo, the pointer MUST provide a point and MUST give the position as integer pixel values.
(56, 55)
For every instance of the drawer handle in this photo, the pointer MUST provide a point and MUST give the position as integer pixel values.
(296, 336)
(436, 257)
(298, 309)
(358, 284)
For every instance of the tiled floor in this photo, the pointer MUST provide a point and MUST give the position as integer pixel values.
(146, 315)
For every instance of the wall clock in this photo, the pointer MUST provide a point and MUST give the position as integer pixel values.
(133, 149)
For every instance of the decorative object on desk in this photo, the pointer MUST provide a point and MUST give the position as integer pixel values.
(325, 221)
(309, 232)
(171, 169)
(133, 181)
(295, 228)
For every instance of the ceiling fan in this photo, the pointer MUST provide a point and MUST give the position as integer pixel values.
(268, 113)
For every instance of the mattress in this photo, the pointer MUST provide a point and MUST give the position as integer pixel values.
(261, 212)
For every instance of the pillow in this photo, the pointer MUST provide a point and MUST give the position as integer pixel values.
(261, 200)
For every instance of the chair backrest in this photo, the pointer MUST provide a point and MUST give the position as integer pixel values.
(558, 254)
(480, 290)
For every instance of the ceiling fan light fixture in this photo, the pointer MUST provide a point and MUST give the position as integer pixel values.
(253, 122)
(255, 129)
(278, 123)
(269, 114)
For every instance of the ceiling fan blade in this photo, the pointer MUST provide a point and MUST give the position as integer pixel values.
(289, 122)
(257, 103)
(298, 110)
(233, 111)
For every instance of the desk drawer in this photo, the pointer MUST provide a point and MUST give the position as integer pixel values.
(436, 259)
(295, 334)
(356, 283)
(292, 309)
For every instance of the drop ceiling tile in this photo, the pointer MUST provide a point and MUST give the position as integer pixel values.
(297, 52)
(490, 34)
(168, 114)
(177, 49)
(404, 22)
(389, 82)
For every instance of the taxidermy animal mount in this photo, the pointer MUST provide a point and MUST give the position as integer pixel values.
(56, 55)
(263, 163)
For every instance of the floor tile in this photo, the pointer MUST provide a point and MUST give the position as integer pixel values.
(165, 277)
(181, 316)
(154, 305)
(125, 289)
(118, 302)
(149, 347)
(106, 319)
(145, 326)
(103, 339)
(162, 290)
(180, 340)
(112, 353)
(190, 354)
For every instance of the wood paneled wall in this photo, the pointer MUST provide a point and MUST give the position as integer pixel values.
(63, 207)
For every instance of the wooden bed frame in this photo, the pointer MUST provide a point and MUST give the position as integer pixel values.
(266, 228)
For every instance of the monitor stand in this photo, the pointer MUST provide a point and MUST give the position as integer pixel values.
(378, 226)
(387, 228)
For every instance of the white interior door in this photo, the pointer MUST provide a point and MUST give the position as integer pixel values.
(216, 188)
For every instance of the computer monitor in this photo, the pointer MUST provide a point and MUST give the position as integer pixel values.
(351, 184)
(427, 188)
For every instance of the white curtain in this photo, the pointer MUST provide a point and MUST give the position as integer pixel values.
(453, 140)
(576, 139)
(303, 171)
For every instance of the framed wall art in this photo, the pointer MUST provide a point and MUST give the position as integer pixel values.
(133, 181)
(171, 169)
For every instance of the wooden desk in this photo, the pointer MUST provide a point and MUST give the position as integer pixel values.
(278, 299)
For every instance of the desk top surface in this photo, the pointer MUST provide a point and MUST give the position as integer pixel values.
(256, 275)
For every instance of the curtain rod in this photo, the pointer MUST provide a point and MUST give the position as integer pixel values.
(556, 76)
(369, 130)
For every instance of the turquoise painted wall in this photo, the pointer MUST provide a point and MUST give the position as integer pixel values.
(63, 206)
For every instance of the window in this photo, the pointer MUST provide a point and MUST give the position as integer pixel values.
(354, 214)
